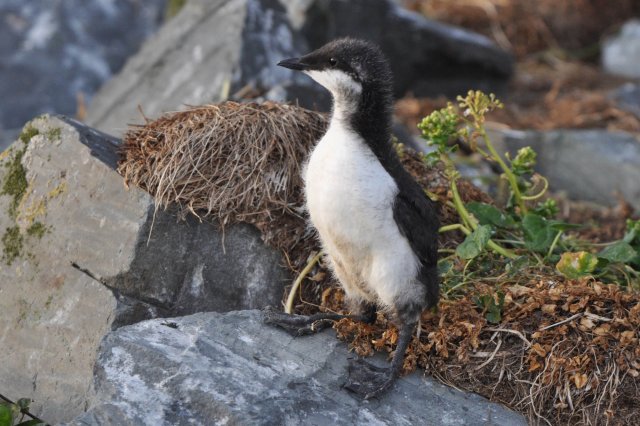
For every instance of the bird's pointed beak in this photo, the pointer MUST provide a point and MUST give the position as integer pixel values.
(293, 64)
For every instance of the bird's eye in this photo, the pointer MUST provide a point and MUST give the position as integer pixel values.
(333, 62)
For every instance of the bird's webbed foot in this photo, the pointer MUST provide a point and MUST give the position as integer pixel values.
(367, 380)
(300, 325)
(370, 381)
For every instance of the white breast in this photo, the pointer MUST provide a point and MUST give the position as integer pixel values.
(347, 188)
(350, 200)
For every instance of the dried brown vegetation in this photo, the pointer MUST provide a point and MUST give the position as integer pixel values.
(544, 96)
(526, 27)
(564, 352)
(556, 42)
(230, 163)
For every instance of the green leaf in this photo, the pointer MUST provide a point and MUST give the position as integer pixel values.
(6, 415)
(491, 305)
(23, 404)
(474, 243)
(619, 252)
(538, 232)
(577, 265)
(636, 260)
(489, 215)
(559, 225)
(444, 267)
(633, 229)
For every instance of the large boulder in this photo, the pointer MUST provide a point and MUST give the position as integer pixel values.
(215, 49)
(589, 165)
(627, 97)
(621, 53)
(82, 255)
(427, 57)
(211, 50)
(232, 369)
(52, 51)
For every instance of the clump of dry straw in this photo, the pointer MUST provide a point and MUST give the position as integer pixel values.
(231, 162)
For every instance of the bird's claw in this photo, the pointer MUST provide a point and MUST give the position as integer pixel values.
(368, 381)
(296, 325)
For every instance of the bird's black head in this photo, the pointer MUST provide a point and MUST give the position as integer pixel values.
(346, 67)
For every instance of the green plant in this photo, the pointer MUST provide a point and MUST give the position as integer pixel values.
(525, 230)
(465, 123)
(13, 413)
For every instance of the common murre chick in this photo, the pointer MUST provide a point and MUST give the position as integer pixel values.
(375, 223)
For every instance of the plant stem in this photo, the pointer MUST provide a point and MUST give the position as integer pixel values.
(501, 250)
(459, 205)
(491, 244)
(513, 182)
(553, 245)
(540, 193)
(294, 289)
(455, 227)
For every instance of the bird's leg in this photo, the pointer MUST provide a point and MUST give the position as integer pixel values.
(300, 325)
(370, 381)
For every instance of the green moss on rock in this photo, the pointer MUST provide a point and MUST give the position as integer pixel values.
(27, 133)
(37, 229)
(54, 134)
(12, 244)
(15, 182)
(172, 8)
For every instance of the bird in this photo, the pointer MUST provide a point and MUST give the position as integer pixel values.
(375, 223)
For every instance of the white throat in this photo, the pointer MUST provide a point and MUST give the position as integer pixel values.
(344, 89)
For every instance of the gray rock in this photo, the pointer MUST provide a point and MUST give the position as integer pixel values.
(211, 50)
(185, 65)
(101, 261)
(627, 98)
(53, 316)
(427, 57)
(51, 51)
(589, 165)
(232, 369)
(621, 53)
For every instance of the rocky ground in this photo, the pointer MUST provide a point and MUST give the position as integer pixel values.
(96, 280)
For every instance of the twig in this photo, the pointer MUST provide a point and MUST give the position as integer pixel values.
(596, 317)
(507, 330)
(571, 318)
(294, 289)
(495, 351)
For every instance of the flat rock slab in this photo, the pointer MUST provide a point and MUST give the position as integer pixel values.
(209, 51)
(212, 368)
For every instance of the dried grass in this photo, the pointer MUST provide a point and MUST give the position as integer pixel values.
(527, 27)
(229, 163)
(565, 352)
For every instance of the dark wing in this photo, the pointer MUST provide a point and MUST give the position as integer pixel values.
(417, 220)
